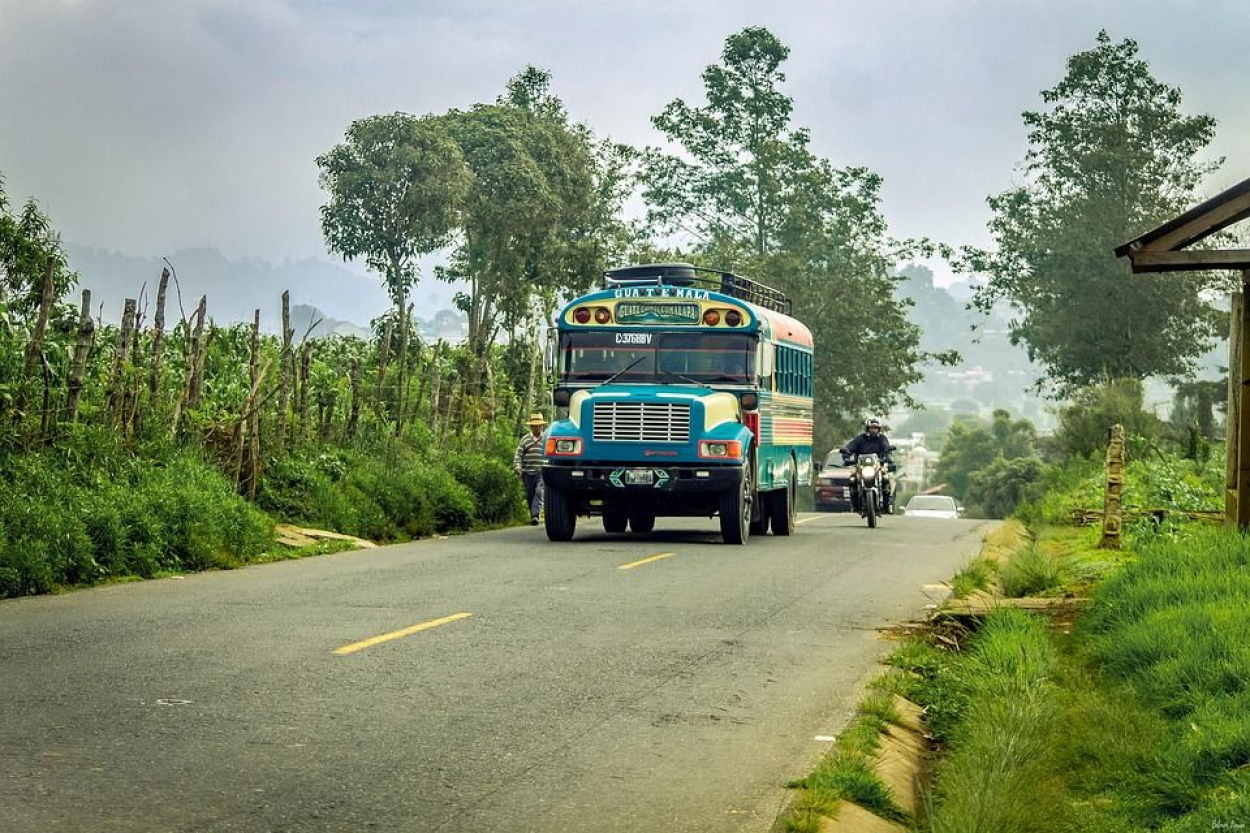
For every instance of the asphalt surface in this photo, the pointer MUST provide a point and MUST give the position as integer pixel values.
(520, 685)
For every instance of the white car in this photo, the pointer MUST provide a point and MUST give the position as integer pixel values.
(933, 506)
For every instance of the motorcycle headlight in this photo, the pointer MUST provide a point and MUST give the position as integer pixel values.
(869, 474)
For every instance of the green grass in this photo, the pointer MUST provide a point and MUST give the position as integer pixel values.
(978, 574)
(1139, 721)
(846, 773)
(1031, 572)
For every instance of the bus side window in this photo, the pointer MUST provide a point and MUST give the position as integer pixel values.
(766, 365)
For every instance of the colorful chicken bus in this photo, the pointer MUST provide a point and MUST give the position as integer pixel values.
(689, 393)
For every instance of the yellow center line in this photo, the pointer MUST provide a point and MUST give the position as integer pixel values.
(809, 520)
(387, 637)
(631, 565)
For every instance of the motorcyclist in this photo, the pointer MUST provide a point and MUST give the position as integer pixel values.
(872, 441)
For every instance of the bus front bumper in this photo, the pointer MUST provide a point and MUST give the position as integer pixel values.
(598, 479)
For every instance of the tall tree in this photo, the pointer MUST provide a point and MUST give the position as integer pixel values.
(745, 165)
(1112, 157)
(971, 447)
(540, 217)
(753, 197)
(396, 189)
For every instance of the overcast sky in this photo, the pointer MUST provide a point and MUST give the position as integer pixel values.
(147, 126)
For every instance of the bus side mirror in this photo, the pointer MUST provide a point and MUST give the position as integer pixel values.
(561, 398)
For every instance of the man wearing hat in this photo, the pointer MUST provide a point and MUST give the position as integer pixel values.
(527, 462)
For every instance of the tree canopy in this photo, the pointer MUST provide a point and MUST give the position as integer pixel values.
(1111, 157)
(396, 188)
(752, 197)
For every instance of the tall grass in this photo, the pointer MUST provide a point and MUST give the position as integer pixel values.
(999, 773)
(846, 773)
(1175, 627)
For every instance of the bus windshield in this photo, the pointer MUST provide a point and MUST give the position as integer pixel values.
(657, 357)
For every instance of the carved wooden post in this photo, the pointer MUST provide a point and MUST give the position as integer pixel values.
(1242, 426)
(1111, 520)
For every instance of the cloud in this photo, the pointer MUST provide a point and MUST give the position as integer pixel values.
(152, 126)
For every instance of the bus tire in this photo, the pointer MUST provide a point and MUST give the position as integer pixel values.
(782, 507)
(615, 520)
(735, 510)
(560, 518)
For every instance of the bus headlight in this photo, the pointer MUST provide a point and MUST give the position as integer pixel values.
(720, 449)
(564, 446)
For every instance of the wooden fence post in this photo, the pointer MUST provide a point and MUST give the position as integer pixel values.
(82, 349)
(117, 384)
(286, 372)
(353, 416)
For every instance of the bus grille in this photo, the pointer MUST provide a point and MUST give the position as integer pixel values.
(642, 422)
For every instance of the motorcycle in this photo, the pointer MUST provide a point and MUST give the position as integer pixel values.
(870, 487)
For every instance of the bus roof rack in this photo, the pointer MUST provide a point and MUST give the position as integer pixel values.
(686, 274)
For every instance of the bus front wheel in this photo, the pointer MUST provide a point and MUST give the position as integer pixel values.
(560, 518)
(735, 510)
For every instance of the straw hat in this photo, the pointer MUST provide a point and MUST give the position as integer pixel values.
(537, 419)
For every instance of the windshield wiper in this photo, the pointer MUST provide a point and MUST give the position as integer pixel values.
(684, 378)
(623, 370)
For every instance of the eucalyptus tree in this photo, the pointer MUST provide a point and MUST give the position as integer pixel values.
(1112, 156)
(752, 196)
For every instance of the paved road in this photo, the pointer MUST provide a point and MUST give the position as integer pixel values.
(553, 688)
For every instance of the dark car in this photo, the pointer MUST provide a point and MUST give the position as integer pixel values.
(833, 486)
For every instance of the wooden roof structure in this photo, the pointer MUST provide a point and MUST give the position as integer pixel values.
(1160, 249)
(1164, 249)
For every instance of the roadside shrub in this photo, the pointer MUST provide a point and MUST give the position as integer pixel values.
(399, 495)
(331, 491)
(452, 501)
(205, 523)
(978, 574)
(68, 518)
(500, 497)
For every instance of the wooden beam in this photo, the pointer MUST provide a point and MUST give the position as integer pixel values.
(1150, 261)
(1224, 209)
(1201, 226)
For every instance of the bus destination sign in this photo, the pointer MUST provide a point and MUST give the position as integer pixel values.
(633, 312)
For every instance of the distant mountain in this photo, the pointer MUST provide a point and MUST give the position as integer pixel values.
(235, 288)
(992, 373)
(308, 319)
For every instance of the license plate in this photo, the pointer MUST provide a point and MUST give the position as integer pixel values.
(639, 477)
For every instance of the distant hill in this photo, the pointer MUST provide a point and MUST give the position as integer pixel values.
(305, 316)
(235, 288)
